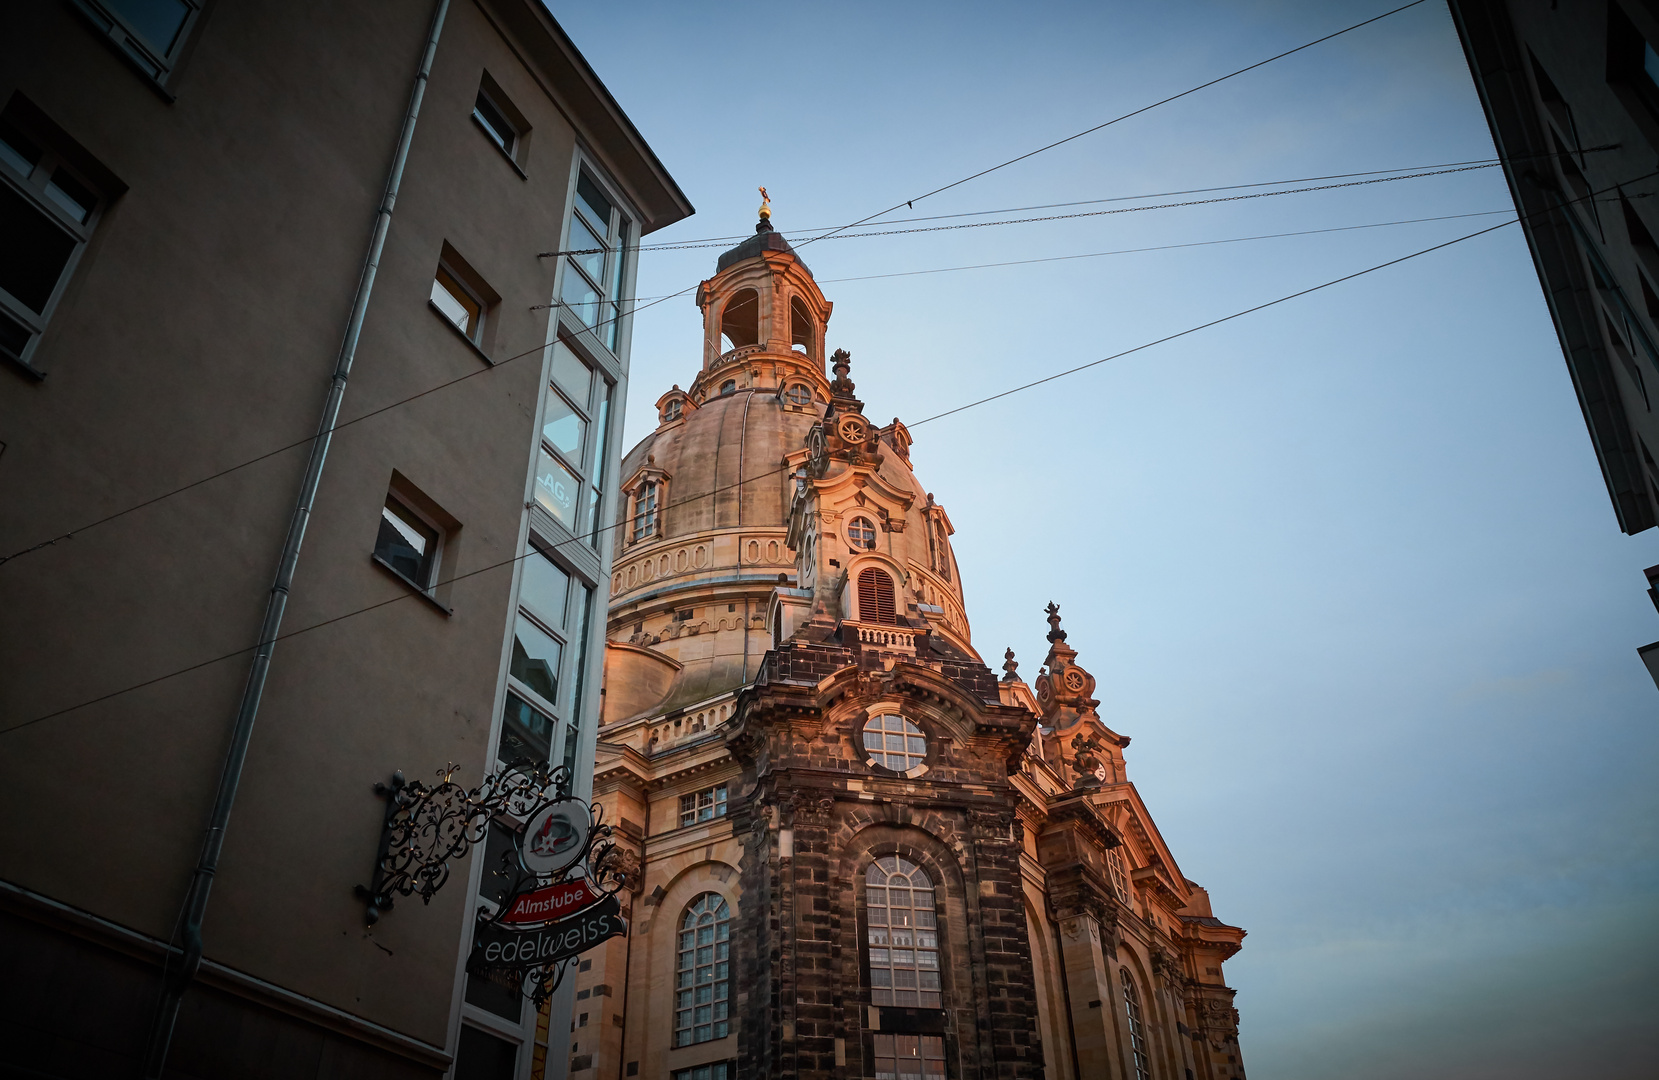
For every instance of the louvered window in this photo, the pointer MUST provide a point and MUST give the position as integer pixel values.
(875, 597)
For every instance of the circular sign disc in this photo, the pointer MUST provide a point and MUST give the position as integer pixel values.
(555, 837)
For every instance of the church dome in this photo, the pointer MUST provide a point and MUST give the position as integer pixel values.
(702, 550)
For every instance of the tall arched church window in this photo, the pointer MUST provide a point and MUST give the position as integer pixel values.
(645, 510)
(861, 534)
(800, 326)
(1137, 1027)
(1120, 879)
(702, 974)
(740, 319)
(902, 935)
(875, 597)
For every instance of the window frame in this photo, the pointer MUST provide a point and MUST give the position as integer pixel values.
(612, 308)
(590, 472)
(867, 962)
(689, 914)
(433, 559)
(719, 800)
(160, 70)
(1139, 1046)
(884, 715)
(866, 531)
(31, 188)
(462, 293)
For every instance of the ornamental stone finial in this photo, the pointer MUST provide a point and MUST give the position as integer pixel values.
(841, 362)
(1054, 631)
(1011, 666)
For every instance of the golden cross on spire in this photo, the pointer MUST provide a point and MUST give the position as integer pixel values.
(765, 204)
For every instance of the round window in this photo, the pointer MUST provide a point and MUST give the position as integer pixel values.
(894, 742)
(861, 534)
(798, 394)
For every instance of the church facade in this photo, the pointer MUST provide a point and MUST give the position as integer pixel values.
(854, 850)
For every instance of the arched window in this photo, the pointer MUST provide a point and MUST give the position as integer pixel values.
(861, 534)
(894, 742)
(671, 411)
(800, 326)
(1137, 1028)
(645, 510)
(702, 975)
(799, 394)
(740, 319)
(728, 387)
(902, 935)
(1120, 880)
(875, 597)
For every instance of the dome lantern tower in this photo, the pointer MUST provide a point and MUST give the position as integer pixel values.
(763, 320)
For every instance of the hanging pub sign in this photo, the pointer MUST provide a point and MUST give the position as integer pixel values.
(561, 902)
(562, 874)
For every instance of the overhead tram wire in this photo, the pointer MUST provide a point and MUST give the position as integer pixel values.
(1154, 247)
(641, 306)
(783, 469)
(1416, 170)
(1118, 119)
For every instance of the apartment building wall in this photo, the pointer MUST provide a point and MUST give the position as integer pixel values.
(1571, 92)
(197, 332)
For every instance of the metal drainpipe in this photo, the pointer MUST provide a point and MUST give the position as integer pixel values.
(174, 983)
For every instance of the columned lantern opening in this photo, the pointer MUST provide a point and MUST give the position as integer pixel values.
(740, 319)
(800, 326)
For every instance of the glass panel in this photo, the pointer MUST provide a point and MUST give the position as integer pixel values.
(580, 297)
(536, 659)
(592, 202)
(563, 429)
(406, 543)
(613, 326)
(571, 375)
(579, 633)
(495, 125)
(619, 261)
(484, 1057)
(158, 22)
(454, 301)
(1650, 63)
(17, 149)
(526, 733)
(602, 418)
(556, 490)
(592, 257)
(544, 588)
(14, 336)
(35, 251)
(570, 748)
(68, 193)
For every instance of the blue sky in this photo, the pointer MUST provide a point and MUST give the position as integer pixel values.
(1345, 568)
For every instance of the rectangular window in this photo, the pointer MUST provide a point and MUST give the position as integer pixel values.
(47, 213)
(407, 543)
(909, 1057)
(575, 410)
(456, 304)
(499, 119)
(150, 33)
(705, 805)
(596, 267)
(526, 733)
(720, 1070)
(536, 656)
(482, 1056)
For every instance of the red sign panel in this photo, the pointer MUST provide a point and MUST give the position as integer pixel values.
(549, 903)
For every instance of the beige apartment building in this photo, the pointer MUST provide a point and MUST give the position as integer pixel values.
(854, 850)
(200, 253)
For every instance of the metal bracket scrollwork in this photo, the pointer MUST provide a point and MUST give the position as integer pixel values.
(427, 827)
